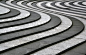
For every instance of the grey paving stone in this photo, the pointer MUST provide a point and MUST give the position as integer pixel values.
(73, 53)
(41, 43)
(12, 13)
(4, 10)
(68, 7)
(81, 3)
(21, 16)
(81, 49)
(67, 4)
(78, 5)
(33, 17)
(84, 3)
(60, 9)
(47, 26)
(54, 11)
(71, 3)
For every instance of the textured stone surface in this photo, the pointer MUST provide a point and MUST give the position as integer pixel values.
(42, 28)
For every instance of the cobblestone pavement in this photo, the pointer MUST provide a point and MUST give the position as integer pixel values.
(42, 27)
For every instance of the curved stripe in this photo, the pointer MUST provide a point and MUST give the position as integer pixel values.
(46, 12)
(54, 10)
(44, 18)
(36, 45)
(69, 8)
(84, 3)
(33, 17)
(49, 52)
(12, 13)
(72, 8)
(57, 48)
(49, 5)
(26, 32)
(68, 4)
(16, 43)
(58, 4)
(65, 27)
(21, 16)
(20, 3)
(36, 8)
(23, 30)
(30, 5)
(77, 4)
(59, 12)
(9, 2)
(4, 10)
(80, 3)
(66, 23)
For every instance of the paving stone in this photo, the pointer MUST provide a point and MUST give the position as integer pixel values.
(43, 6)
(38, 44)
(12, 13)
(47, 26)
(33, 17)
(4, 10)
(73, 53)
(81, 3)
(79, 49)
(68, 7)
(50, 23)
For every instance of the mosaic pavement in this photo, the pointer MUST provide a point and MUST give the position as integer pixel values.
(42, 27)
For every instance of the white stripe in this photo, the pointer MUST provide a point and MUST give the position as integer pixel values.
(44, 18)
(34, 8)
(19, 3)
(28, 8)
(58, 4)
(67, 4)
(4, 10)
(22, 6)
(77, 4)
(49, 5)
(59, 12)
(21, 16)
(66, 23)
(9, 2)
(38, 10)
(66, 42)
(59, 47)
(84, 3)
(73, 8)
(30, 5)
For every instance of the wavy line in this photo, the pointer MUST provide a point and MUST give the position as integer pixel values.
(65, 24)
(4, 10)
(21, 16)
(84, 3)
(64, 10)
(76, 3)
(68, 4)
(57, 48)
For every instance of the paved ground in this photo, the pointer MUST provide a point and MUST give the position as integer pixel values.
(42, 27)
